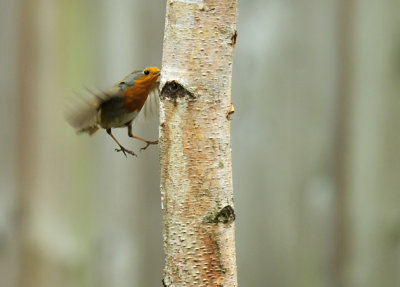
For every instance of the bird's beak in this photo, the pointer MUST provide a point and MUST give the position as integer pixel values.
(157, 73)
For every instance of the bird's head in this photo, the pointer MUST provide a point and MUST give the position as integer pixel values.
(143, 81)
(149, 75)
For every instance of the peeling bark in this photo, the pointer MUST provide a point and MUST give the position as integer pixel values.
(195, 149)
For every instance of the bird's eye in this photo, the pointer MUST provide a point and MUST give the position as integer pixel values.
(146, 72)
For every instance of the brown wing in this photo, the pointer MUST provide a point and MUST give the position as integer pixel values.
(113, 114)
(82, 111)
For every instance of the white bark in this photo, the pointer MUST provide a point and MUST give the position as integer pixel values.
(195, 149)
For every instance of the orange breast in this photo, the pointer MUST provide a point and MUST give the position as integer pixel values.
(136, 95)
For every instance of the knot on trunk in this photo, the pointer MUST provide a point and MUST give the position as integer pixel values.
(225, 215)
(174, 90)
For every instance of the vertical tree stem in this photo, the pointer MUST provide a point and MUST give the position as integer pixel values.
(195, 149)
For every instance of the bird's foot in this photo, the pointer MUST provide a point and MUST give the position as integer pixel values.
(125, 151)
(148, 143)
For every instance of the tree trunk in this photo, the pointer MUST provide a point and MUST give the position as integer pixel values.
(368, 174)
(195, 149)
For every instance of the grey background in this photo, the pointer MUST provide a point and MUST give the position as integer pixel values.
(315, 136)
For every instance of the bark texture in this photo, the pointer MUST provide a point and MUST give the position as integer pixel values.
(195, 149)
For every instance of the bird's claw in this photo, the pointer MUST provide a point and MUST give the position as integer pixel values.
(148, 143)
(124, 151)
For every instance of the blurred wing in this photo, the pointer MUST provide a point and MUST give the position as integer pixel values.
(82, 111)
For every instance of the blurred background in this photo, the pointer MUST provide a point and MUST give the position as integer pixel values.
(315, 136)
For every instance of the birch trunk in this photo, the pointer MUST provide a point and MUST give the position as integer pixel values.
(195, 149)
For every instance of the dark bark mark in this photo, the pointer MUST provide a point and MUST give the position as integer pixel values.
(225, 215)
(233, 38)
(173, 90)
(230, 112)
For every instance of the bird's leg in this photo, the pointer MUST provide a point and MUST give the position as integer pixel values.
(121, 148)
(130, 134)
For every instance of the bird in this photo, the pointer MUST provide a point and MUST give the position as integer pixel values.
(116, 107)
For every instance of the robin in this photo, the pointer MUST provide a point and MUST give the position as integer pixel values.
(117, 107)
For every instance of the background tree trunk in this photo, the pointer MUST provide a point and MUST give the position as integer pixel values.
(195, 149)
